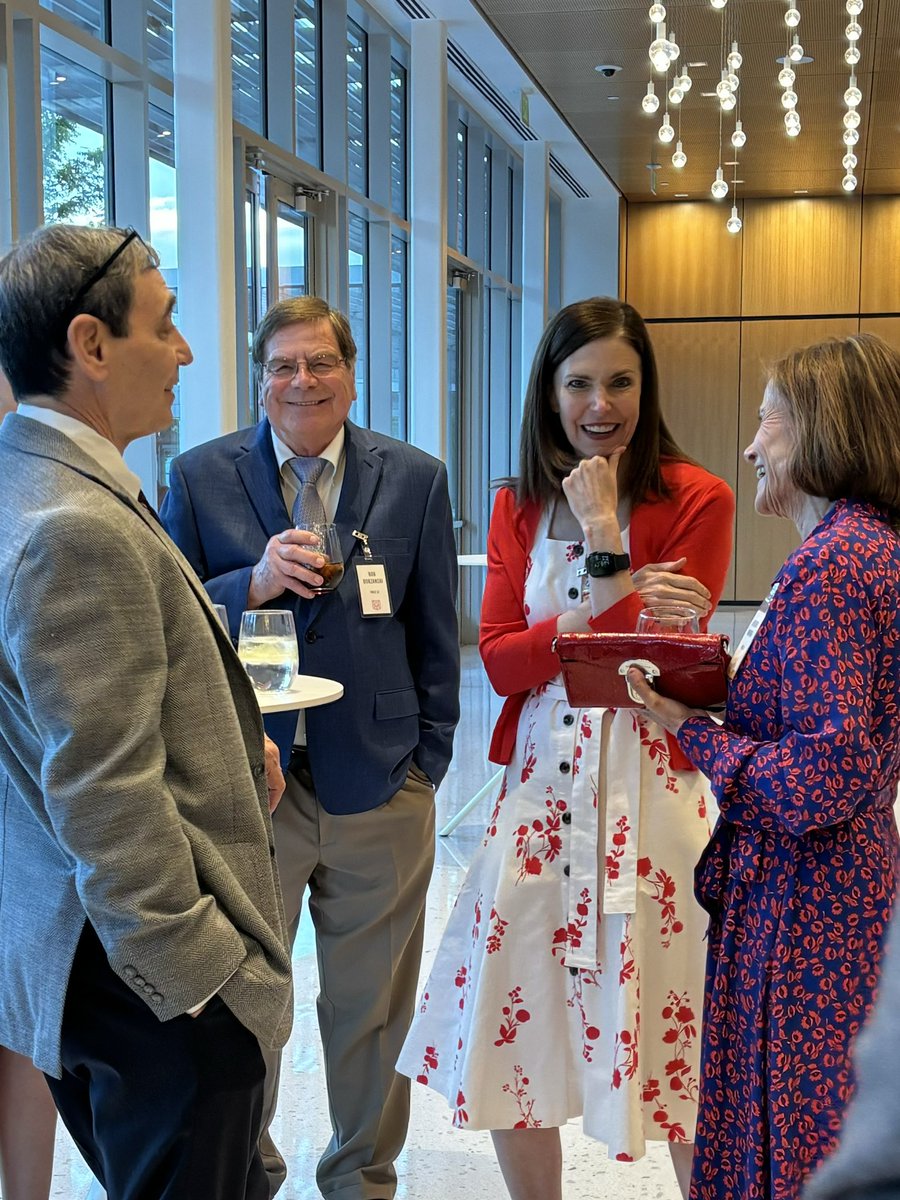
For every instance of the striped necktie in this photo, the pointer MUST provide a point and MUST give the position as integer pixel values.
(308, 508)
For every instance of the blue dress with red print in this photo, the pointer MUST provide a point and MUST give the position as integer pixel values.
(799, 876)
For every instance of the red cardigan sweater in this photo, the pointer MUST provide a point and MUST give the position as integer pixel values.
(695, 522)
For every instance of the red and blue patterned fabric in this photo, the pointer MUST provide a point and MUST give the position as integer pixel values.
(799, 876)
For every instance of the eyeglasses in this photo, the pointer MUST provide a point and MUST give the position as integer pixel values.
(75, 303)
(319, 366)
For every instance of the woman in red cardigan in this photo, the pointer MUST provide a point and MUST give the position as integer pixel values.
(570, 977)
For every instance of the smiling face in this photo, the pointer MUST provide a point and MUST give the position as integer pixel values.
(597, 393)
(307, 412)
(770, 452)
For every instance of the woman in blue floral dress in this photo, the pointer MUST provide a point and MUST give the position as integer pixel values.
(799, 876)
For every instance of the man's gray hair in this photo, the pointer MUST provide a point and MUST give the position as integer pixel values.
(40, 280)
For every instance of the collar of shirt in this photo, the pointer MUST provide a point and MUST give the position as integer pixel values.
(329, 482)
(94, 444)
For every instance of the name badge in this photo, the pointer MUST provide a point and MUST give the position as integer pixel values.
(374, 593)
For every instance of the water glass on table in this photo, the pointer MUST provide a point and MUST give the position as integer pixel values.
(267, 647)
(328, 544)
(668, 618)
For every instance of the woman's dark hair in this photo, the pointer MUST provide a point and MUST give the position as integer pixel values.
(545, 455)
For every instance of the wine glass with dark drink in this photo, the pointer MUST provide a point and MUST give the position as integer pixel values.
(328, 544)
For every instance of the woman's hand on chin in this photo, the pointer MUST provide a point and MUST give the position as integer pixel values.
(592, 491)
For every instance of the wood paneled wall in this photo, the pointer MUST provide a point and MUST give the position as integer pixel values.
(722, 308)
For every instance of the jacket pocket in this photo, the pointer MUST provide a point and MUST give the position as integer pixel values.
(402, 702)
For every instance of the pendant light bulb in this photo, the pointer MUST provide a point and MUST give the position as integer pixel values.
(786, 77)
(792, 17)
(659, 50)
(650, 102)
(734, 222)
(850, 137)
(789, 99)
(792, 123)
(686, 82)
(679, 158)
(848, 183)
(854, 7)
(723, 87)
(853, 32)
(718, 3)
(719, 187)
(657, 13)
(738, 138)
(735, 58)
(851, 119)
(673, 50)
(852, 55)
(795, 53)
(853, 95)
(849, 161)
(733, 81)
(666, 132)
(676, 95)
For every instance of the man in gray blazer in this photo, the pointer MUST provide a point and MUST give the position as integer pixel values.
(356, 826)
(143, 960)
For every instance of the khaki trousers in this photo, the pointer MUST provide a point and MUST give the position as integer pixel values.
(367, 875)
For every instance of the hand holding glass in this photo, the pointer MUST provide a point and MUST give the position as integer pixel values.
(668, 618)
(267, 647)
(328, 544)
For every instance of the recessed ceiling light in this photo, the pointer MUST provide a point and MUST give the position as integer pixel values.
(707, 93)
(732, 163)
(653, 166)
(801, 191)
(663, 183)
(612, 97)
(737, 181)
(682, 195)
(785, 61)
(698, 64)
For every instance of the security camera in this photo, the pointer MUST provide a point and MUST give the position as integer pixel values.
(607, 70)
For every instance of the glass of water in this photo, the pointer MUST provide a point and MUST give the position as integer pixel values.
(267, 647)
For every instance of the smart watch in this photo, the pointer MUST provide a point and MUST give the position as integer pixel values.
(601, 563)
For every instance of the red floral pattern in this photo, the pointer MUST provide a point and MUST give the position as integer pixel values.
(799, 878)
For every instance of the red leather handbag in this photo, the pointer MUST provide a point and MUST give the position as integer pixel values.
(690, 667)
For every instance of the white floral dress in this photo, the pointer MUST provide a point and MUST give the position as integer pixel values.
(569, 980)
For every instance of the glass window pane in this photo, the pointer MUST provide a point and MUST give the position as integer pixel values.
(164, 238)
(454, 371)
(73, 130)
(398, 139)
(306, 80)
(89, 15)
(293, 273)
(462, 138)
(398, 337)
(246, 63)
(159, 36)
(359, 315)
(357, 116)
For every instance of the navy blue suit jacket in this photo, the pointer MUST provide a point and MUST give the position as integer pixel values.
(400, 673)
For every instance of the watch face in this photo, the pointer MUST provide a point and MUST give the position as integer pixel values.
(602, 563)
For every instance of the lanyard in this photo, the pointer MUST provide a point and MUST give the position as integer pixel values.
(751, 631)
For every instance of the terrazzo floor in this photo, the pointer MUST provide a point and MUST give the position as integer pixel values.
(439, 1162)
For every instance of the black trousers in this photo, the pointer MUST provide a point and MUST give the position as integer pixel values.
(160, 1110)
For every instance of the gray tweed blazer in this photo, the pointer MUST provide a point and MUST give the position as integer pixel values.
(132, 778)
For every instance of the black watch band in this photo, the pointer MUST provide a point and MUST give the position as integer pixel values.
(601, 563)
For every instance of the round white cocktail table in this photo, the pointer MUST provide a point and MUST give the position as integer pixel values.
(305, 692)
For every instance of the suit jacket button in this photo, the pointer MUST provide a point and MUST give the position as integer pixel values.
(258, 771)
(272, 851)
(129, 972)
(310, 636)
(157, 997)
(139, 980)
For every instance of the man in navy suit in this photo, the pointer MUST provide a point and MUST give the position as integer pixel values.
(356, 824)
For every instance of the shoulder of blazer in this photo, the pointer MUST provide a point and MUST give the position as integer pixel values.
(390, 449)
